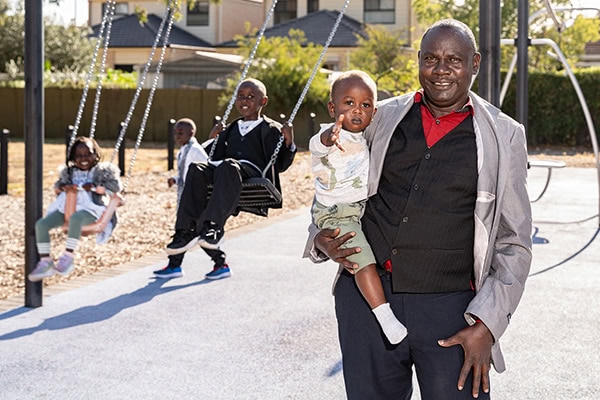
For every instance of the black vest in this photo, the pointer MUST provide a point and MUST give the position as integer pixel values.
(248, 147)
(422, 215)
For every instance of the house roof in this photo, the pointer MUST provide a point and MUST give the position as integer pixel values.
(129, 32)
(317, 27)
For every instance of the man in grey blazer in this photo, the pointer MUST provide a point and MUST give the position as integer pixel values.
(449, 220)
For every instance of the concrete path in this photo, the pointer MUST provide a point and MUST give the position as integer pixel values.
(269, 332)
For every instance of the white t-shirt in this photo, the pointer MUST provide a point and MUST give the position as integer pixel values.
(341, 176)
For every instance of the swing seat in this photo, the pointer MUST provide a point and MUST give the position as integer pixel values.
(256, 192)
(116, 200)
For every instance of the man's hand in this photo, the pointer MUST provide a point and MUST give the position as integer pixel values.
(171, 181)
(288, 134)
(476, 341)
(331, 136)
(329, 243)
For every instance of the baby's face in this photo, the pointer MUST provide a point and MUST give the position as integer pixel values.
(356, 101)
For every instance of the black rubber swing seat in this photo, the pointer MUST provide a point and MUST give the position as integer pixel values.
(256, 192)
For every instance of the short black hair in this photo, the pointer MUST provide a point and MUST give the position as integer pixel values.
(456, 25)
(353, 74)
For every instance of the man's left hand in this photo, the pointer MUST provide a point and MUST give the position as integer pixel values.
(476, 341)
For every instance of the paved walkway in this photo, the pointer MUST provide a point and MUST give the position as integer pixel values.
(269, 332)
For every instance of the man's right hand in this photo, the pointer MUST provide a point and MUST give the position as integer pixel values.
(328, 242)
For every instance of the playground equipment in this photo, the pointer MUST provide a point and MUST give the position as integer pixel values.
(548, 42)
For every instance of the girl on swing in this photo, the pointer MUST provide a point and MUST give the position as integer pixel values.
(94, 182)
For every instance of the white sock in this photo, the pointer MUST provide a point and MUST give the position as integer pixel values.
(392, 328)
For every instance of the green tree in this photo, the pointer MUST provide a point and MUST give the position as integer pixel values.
(12, 25)
(65, 47)
(387, 58)
(284, 65)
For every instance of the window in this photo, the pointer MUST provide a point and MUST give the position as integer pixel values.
(380, 11)
(312, 6)
(121, 9)
(284, 11)
(198, 14)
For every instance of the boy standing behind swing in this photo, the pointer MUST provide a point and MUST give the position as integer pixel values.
(190, 151)
(243, 150)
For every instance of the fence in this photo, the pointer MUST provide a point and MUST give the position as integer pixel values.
(199, 104)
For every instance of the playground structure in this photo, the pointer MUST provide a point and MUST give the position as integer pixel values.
(559, 54)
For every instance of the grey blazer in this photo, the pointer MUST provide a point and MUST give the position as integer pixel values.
(503, 227)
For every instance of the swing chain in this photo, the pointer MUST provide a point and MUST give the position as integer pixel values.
(304, 91)
(140, 85)
(318, 63)
(108, 16)
(101, 73)
(170, 15)
(243, 75)
(249, 61)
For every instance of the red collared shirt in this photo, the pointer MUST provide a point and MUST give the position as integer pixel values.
(437, 128)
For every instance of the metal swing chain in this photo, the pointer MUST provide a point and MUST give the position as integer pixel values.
(170, 14)
(140, 85)
(101, 73)
(108, 16)
(243, 75)
(308, 83)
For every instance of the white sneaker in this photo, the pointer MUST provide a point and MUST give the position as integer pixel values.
(65, 265)
(43, 269)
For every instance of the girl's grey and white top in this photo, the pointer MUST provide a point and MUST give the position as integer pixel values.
(191, 152)
(341, 176)
(98, 175)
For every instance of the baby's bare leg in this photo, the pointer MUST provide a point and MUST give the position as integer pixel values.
(369, 284)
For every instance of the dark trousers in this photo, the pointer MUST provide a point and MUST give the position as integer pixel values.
(216, 255)
(194, 209)
(375, 369)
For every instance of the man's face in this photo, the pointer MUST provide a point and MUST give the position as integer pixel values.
(447, 63)
(249, 101)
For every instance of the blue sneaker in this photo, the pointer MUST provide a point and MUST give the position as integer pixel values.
(219, 272)
(168, 272)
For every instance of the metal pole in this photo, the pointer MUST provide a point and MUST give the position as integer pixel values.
(170, 144)
(311, 126)
(34, 141)
(4, 161)
(122, 151)
(522, 62)
(68, 134)
(489, 46)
